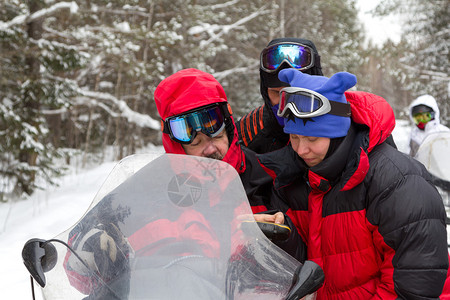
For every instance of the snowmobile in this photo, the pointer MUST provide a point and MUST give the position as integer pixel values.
(433, 153)
(169, 227)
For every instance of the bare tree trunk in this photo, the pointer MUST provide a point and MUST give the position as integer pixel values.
(282, 19)
(105, 138)
(272, 30)
(142, 85)
(118, 140)
(90, 125)
(31, 104)
(119, 148)
(133, 130)
(88, 138)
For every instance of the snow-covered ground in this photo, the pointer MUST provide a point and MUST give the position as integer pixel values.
(47, 213)
(44, 215)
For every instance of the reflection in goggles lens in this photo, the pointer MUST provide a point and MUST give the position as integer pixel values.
(298, 56)
(184, 128)
(304, 103)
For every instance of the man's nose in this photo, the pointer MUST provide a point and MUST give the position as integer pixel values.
(210, 147)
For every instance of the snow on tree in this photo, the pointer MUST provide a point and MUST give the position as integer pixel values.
(426, 43)
(80, 75)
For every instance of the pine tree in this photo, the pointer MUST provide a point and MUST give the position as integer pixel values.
(30, 84)
(425, 60)
(79, 76)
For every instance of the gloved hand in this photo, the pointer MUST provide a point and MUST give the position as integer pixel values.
(104, 250)
(110, 250)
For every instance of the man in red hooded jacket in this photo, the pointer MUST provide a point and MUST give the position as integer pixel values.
(196, 119)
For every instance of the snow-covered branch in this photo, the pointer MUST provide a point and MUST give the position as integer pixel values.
(245, 70)
(53, 111)
(223, 5)
(429, 73)
(127, 10)
(437, 75)
(139, 119)
(225, 29)
(52, 10)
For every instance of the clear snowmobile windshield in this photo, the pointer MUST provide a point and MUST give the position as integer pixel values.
(169, 228)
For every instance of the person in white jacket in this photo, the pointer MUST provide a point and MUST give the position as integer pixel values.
(424, 113)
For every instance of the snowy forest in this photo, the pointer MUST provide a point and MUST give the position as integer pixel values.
(78, 77)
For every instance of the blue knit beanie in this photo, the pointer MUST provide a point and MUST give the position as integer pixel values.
(333, 89)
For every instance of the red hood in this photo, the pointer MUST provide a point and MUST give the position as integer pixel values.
(373, 111)
(189, 89)
(377, 114)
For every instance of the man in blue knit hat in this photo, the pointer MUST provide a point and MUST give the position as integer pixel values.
(367, 213)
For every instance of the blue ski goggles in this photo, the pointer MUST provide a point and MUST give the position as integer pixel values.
(304, 103)
(183, 128)
(298, 56)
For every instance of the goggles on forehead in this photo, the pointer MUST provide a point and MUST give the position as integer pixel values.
(183, 128)
(423, 117)
(298, 56)
(304, 103)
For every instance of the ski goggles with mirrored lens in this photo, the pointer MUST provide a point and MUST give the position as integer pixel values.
(423, 117)
(304, 103)
(298, 56)
(183, 128)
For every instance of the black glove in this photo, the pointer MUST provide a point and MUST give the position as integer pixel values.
(290, 242)
(110, 250)
(105, 252)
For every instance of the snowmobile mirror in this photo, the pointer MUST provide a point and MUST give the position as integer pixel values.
(307, 279)
(39, 256)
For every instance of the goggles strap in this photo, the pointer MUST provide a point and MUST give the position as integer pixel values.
(337, 109)
(340, 109)
(164, 128)
(317, 64)
(226, 109)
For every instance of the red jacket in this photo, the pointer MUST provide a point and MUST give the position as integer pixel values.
(368, 213)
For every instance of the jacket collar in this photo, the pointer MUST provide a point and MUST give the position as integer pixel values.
(347, 166)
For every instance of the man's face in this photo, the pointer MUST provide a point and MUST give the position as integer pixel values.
(205, 146)
(311, 149)
(274, 95)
